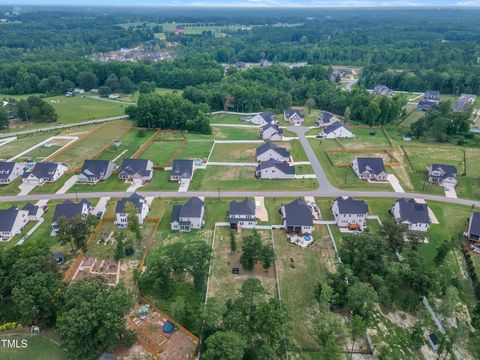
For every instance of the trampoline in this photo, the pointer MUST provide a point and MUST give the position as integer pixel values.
(168, 328)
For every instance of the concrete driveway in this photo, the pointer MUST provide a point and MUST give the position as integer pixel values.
(451, 192)
(393, 180)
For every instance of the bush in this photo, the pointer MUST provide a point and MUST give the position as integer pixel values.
(9, 325)
(141, 133)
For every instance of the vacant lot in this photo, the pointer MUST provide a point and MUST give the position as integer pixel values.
(223, 284)
(366, 138)
(75, 109)
(162, 152)
(227, 119)
(235, 133)
(21, 144)
(196, 148)
(241, 152)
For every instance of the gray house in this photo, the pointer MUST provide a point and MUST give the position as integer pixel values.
(69, 209)
(271, 151)
(464, 102)
(382, 90)
(350, 213)
(182, 170)
(441, 174)
(271, 132)
(12, 222)
(44, 172)
(9, 171)
(473, 232)
(297, 217)
(94, 171)
(369, 168)
(326, 119)
(242, 214)
(263, 118)
(274, 169)
(140, 205)
(294, 116)
(188, 216)
(136, 169)
(411, 213)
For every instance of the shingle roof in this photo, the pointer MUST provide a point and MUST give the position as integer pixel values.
(297, 213)
(474, 225)
(347, 205)
(6, 168)
(274, 127)
(43, 170)
(431, 94)
(135, 199)
(267, 116)
(413, 212)
(289, 113)
(271, 146)
(464, 101)
(32, 209)
(446, 170)
(371, 165)
(191, 209)
(7, 218)
(332, 127)
(283, 167)
(95, 168)
(245, 207)
(69, 209)
(182, 168)
(131, 167)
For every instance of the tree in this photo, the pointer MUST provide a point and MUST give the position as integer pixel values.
(87, 80)
(120, 248)
(324, 296)
(91, 317)
(224, 345)
(36, 109)
(4, 123)
(126, 85)
(417, 338)
(443, 250)
(393, 232)
(346, 114)
(133, 221)
(362, 299)
(267, 256)
(112, 82)
(146, 87)
(74, 231)
(104, 91)
(250, 246)
(331, 335)
(358, 327)
(309, 105)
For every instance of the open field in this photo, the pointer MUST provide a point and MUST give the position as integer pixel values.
(242, 152)
(197, 29)
(91, 144)
(300, 270)
(159, 91)
(162, 152)
(227, 119)
(235, 133)
(223, 284)
(348, 157)
(23, 143)
(196, 148)
(230, 178)
(39, 348)
(366, 138)
(130, 143)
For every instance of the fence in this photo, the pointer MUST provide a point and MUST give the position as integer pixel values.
(144, 147)
(387, 151)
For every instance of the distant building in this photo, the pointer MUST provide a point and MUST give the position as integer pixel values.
(350, 213)
(271, 151)
(297, 217)
(12, 222)
(9, 171)
(188, 216)
(382, 90)
(94, 171)
(274, 169)
(411, 213)
(241, 65)
(464, 102)
(44, 172)
(327, 119)
(263, 118)
(181, 170)
(441, 174)
(264, 63)
(140, 205)
(336, 130)
(370, 169)
(430, 99)
(242, 214)
(136, 170)
(271, 132)
(294, 116)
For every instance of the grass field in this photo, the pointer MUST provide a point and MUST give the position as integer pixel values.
(347, 158)
(23, 143)
(242, 152)
(226, 119)
(366, 138)
(229, 178)
(38, 348)
(130, 143)
(160, 182)
(113, 183)
(162, 152)
(234, 133)
(196, 148)
(89, 146)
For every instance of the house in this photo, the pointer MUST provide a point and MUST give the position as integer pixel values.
(464, 102)
(241, 65)
(349, 213)
(271, 151)
(181, 170)
(326, 119)
(58, 257)
(430, 99)
(121, 213)
(274, 169)
(473, 232)
(297, 217)
(242, 214)
(335, 130)
(263, 119)
(12, 222)
(370, 168)
(188, 216)
(433, 342)
(294, 116)
(382, 90)
(264, 63)
(271, 132)
(69, 210)
(44, 172)
(441, 174)
(94, 171)
(411, 213)
(136, 170)
(9, 171)
(34, 212)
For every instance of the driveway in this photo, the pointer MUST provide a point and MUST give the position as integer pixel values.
(25, 188)
(260, 209)
(393, 180)
(451, 192)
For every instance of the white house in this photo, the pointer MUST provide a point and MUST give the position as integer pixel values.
(273, 169)
(294, 116)
(34, 212)
(12, 222)
(336, 130)
(349, 213)
(269, 151)
(441, 174)
(182, 170)
(136, 170)
(297, 217)
(411, 213)
(44, 172)
(140, 204)
(370, 168)
(188, 216)
(242, 214)
(9, 171)
(94, 171)
(263, 119)
(327, 119)
(271, 132)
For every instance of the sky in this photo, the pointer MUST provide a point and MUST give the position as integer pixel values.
(250, 3)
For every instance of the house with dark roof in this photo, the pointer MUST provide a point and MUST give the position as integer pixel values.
(188, 216)
(335, 130)
(9, 171)
(411, 213)
(44, 172)
(69, 210)
(34, 212)
(350, 213)
(264, 63)
(382, 90)
(441, 174)
(140, 205)
(369, 168)
(464, 102)
(241, 65)
(181, 170)
(433, 342)
(271, 132)
(94, 171)
(430, 99)
(271, 151)
(12, 222)
(136, 170)
(297, 217)
(294, 116)
(241, 214)
(263, 118)
(274, 169)
(326, 119)
(473, 232)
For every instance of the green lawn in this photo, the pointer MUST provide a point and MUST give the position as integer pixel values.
(366, 138)
(130, 143)
(162, 152)
(38, 348)
(234, 133)
(113, 183)
(226, 119)
(241, 152)
(21, 144)
(160, 182)
(51, 188)
(196, 148)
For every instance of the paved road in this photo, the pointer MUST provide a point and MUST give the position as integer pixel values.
(64, 126)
